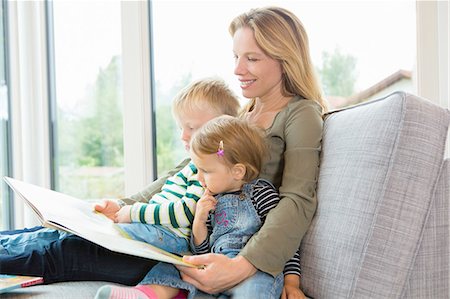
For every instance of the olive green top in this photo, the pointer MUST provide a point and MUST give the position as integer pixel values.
(293, 166)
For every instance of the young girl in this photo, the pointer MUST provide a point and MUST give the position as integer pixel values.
(228, 154)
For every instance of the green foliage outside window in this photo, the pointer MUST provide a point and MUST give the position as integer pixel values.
(338, 74)
(91, 143)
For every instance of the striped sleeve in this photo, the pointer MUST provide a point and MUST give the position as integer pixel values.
(265, 198)
(175, 205)
(293, 265)
(203, 247)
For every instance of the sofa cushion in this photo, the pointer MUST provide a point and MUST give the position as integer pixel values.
(430, 275)
(379, 167)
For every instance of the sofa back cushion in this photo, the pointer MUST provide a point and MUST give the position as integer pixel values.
(379, 167)
(430, 275)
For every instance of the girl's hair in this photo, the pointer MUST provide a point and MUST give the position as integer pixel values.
(208, 93)
(242, 143)
(281, 35)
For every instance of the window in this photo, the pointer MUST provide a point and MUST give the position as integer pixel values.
(5, 200)
(361, 50)
(86, 98)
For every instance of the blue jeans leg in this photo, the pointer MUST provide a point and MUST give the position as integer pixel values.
(259, 286)
(73, 259)
(158, 236)
(167, 275)
(19, 231)
(20, 241)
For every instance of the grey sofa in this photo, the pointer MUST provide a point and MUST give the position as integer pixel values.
(382, 225)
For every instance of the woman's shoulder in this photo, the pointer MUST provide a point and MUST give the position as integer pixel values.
(298, 104)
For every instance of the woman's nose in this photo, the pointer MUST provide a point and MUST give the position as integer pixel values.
(239, 67)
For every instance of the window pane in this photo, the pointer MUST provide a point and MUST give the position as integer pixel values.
(88, 139)
(4, 125)
(361, 50)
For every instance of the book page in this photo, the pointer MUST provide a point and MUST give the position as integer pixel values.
(74, 215)
(62, 210)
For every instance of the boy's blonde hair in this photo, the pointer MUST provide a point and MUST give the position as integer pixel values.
(281, 35)
(208, 93)
(242, 143)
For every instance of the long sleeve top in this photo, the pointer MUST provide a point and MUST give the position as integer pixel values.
(293, 166)
(174, 206)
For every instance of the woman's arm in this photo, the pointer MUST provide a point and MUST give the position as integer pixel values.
(301, 131)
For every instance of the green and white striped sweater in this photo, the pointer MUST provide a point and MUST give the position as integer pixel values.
(174, 206)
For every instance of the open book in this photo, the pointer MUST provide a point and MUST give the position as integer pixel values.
(60, 211)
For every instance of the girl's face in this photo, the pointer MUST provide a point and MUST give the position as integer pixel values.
(259, 75)
(190, 121)
(215, 175)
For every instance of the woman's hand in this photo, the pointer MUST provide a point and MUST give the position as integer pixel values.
(108, 207)
(291, 288)
(123, 215)
(220, 272)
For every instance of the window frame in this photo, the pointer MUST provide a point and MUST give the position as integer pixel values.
(8, 203)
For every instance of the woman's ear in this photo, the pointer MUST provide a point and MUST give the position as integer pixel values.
(239, 170)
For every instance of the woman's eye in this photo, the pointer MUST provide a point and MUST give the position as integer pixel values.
(252, 59)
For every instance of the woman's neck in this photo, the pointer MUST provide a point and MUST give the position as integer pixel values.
(264, 110)
(263, 105)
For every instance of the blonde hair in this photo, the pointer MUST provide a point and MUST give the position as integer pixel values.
(281, 35)
(207, 93)
(242, 143)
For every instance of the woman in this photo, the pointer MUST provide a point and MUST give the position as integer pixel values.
(273, 65)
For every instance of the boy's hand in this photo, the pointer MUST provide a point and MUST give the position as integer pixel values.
(205, 204)
(108, 207)
(291, 289)
(123, 216)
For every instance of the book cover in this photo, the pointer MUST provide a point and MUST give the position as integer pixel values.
(60, 211)
(11, 282)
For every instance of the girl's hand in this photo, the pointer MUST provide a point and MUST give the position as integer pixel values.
(205, 204)
(108, 207)
(291, 288)
(123, 215)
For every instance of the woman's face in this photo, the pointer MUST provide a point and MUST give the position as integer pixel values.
(259, 75)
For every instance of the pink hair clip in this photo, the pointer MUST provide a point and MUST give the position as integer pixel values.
(220, 151)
